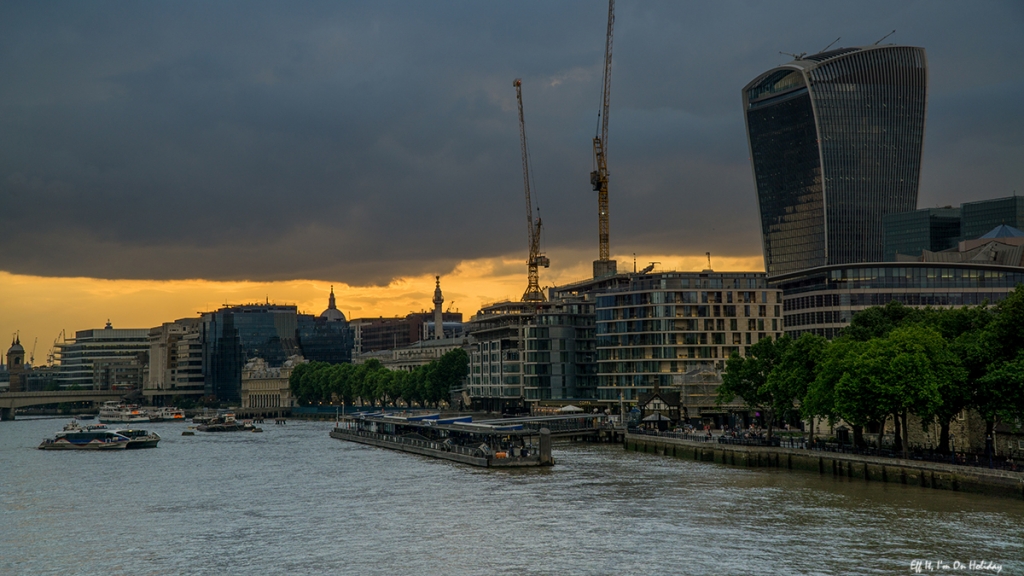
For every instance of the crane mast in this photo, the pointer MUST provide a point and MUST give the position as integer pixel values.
(536, 259)
(599, 177)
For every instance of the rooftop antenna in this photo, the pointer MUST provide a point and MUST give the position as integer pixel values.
(834, 41)
(709, 260)
(799, 56)
(884, 37)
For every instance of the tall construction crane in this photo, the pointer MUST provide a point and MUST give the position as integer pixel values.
(533, 292)
(599, 177)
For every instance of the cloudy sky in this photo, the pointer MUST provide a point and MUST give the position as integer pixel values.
(364, 144)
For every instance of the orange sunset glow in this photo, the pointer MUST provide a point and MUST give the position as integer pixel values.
(43, 307)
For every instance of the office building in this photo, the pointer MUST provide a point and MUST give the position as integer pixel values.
(175, 362)
(981, 217)
(910, 233)
(835, 143)
(823, 300)
(110, 358)
(373, 334)
(235, 334)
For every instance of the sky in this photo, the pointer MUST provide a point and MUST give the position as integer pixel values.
(160, 159)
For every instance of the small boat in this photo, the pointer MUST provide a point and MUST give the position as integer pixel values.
(166, 413)
(188, 433)
(139, 438)
(86, 416)
(226, 423)
(85, 440)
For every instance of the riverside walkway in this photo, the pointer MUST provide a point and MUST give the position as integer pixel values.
(927, 474)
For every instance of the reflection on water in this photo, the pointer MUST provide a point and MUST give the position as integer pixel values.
(293, 501)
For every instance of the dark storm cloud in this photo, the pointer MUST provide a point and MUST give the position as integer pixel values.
(359, 142)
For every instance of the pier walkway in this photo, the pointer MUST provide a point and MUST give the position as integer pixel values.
(868, 468)
(567, 426)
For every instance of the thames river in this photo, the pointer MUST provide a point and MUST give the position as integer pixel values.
(294, 501)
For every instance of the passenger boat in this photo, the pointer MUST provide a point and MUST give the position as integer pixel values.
(85, 439)
(114, 412)
(139, 438)
(458, 439)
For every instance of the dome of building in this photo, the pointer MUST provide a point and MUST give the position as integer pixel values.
(16, 347)
(332, 314)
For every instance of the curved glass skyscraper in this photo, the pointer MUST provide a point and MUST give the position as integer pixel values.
(835, 141)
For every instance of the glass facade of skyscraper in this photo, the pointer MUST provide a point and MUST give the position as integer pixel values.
(908, 233)
(981, 217)
(835, 141)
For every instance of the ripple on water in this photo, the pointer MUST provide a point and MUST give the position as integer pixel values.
(294, 501)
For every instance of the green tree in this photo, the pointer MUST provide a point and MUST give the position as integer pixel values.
(966, 331)
(797, 368)
(898, 375)
(748, 378)
(878, 321)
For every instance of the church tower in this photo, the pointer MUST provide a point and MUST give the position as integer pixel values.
(16, 365)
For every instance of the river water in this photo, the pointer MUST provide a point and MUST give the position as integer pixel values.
(294, 501)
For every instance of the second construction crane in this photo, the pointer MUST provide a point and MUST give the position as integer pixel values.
(533, 292)
(603, 266)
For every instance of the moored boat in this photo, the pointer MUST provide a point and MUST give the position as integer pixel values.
(458, 439)
(114, 412)
(139, 438)
(84, 439)
(166, 413)
(225, 423)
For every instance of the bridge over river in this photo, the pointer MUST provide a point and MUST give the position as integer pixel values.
(9, 401)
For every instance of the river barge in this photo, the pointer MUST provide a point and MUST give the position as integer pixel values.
(488, 445)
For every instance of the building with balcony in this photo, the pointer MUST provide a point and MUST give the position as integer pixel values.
(524, 353)
(658, 327)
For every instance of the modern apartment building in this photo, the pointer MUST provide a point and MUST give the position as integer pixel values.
(532, 352)
(655, 328)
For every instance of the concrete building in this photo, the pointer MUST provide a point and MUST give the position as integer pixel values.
(175, 362)
(413, 356)
(266, 387)
(373, 334)
(98, 358)
(835, 143)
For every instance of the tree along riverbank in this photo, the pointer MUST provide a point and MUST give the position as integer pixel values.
(933, 475)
